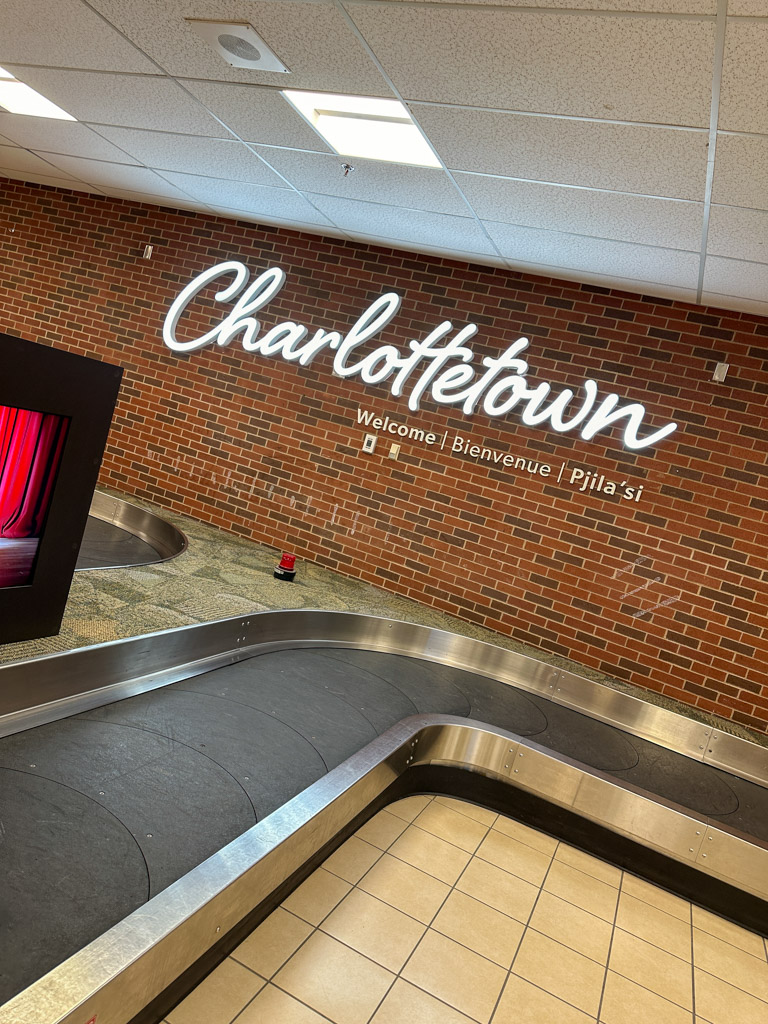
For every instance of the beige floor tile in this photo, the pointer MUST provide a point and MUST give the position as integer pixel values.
(405, 887)
(374, 929)
(480, 927)
(653, 968)
(654, 926)
(527, 836)
(481, 814)
(452, 826)
(334, 980)
(498, 888)
(657, 897)
(430, 854)
(352, 859)
(459, 977)
(514, 856)
(730, 963)
(317, 896)
(272, 1006)
(625, 1002)
(721, 1003)
(406, 1004)
(728, 932)
(382, 829)
(582, 890)
(275, 940)
(524, 1003)
(588, 864)
(572, 926)
(219, 997)
(409, 807)
(560, 971)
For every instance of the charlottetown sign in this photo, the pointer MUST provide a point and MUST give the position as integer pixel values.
(441, 364)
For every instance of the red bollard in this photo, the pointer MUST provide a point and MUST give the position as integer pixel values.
(286, 570)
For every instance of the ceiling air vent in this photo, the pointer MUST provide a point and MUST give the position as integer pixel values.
(239, 44)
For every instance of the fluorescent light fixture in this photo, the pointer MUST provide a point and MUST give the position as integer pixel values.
(363, 126)
(18, 98)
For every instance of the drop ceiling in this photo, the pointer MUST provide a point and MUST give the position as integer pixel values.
(622, 143)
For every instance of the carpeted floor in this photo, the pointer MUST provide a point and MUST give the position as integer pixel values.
(220, 575)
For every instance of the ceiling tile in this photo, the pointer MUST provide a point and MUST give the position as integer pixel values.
(444, 252)
(97, 172)
(743, 305)
(259, 200)
(745, 77)
(396, 223)
(627, 158)
(169, 202)
(50, 180)
(53, 136)
(278, 221)
(67, 34)
(662, 222)
(741, 171)
(750, 8)
(739, 233)
(652, 6)
(135, 101)
(18, 159)
(312, 39)
(419, 188)
(215, 158)
(625, 284)
(639, 69)
(257, 114)
(736, 277)
(622, 259)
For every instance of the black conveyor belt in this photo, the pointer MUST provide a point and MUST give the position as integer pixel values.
(100, 811)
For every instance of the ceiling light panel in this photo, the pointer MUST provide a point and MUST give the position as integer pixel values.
(367, 127)
(18, 98)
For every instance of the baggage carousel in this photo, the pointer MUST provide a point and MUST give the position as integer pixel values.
(119, 534)
(159, 794)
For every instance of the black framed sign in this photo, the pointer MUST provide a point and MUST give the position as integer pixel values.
(55, 413)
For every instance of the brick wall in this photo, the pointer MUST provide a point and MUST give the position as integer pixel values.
(666, 591)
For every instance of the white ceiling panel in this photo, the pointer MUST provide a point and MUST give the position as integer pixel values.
(45, 179)
(312, 39)
(372, 181)
(661, 222)
(627, 158)
(239, 195)
(75, 38)
(53, 136)
(751, 8)
(278, 220)
(555, 249)
(134, 101)
(17, 159)
(97, 172)
(741, 171)
(640, 69)
(395, 223)
(736, 277)
(630, 6)
(743, 106)
(739, 233)
(215, 158)
(626, 284)
(257, 114)
(755, 306)
(153, 200)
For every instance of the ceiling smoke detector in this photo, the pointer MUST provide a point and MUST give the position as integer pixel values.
(239, 44)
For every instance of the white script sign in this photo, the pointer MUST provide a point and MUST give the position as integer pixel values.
(445, 370)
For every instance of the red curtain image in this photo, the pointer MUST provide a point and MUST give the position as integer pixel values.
(31, 444)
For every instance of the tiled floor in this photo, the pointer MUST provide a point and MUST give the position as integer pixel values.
(441, 912)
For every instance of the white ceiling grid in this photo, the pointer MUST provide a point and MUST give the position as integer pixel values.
(618, 142)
